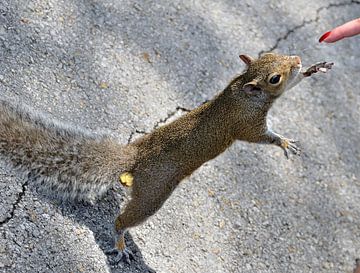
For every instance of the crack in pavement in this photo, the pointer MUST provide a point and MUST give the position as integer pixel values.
(14, 206)
(170, 115)
(157, 124)
(135, 132)
(306, 22)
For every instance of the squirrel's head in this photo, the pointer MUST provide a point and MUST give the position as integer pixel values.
(271, 73)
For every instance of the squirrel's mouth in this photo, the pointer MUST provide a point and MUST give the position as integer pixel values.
(297, 66)
(294, 72)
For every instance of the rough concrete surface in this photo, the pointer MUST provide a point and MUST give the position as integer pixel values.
(129, 66)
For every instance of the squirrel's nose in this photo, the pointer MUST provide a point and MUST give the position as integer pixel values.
(297, 59)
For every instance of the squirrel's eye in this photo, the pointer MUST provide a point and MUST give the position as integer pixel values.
(275, 79)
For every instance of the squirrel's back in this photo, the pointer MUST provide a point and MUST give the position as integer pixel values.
(72, 162)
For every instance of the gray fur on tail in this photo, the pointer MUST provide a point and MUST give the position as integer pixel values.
(73, 163)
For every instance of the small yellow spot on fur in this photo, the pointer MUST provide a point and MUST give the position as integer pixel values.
(126, 179)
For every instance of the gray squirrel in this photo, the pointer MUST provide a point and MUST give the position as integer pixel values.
(77, 164)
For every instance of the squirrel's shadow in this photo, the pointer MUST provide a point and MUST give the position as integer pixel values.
(99, 218)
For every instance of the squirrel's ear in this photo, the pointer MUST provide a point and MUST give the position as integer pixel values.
(251, 88)
(246, 59)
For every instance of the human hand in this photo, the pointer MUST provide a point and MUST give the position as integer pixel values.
(346, 30)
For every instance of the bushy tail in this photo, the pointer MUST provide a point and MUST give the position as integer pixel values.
(72, 162)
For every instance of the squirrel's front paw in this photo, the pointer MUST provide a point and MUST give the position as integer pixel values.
(321, 66)
(125, 255)
(289, 145)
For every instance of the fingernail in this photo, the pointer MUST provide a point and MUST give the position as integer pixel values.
(324, 36)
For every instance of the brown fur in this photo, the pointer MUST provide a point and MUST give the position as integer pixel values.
(174, 151)
(79, 163)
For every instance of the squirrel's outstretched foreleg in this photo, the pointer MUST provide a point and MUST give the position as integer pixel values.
(287, 144)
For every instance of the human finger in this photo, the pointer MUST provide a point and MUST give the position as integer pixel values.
(346, 30)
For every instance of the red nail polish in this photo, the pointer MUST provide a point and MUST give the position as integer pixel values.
(324, 36)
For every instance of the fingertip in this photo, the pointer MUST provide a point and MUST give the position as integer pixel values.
(324, 36)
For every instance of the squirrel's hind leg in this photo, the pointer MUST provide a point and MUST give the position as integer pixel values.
(120, 249)
(143, 204)
(134, 214)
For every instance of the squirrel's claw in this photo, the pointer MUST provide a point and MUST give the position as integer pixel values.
(125, 255)
(290, 145)
(321, 66)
